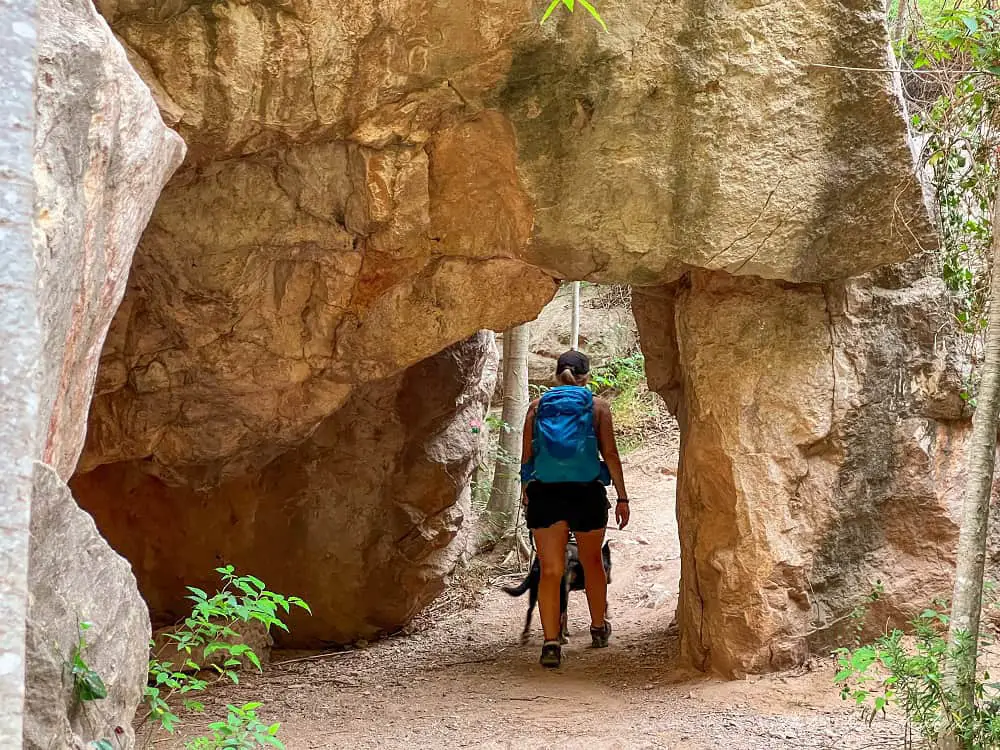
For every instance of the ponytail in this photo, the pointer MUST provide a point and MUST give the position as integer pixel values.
(566, 377)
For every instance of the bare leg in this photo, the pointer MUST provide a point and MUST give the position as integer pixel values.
(550, 544)
(589, 544)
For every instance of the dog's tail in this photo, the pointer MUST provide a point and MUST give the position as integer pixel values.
(520, 588)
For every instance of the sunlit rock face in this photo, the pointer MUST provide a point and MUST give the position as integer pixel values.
(369, 183)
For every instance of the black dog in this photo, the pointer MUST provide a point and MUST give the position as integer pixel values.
(572, 580)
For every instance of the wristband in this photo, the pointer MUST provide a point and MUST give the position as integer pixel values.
(527, 472)
(623, 500)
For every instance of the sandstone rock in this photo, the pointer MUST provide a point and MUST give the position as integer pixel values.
(368, 183)
(375, 503)
(102, 155)
(75, 577)
(239, 337)
(703, 137)
(359, 175)
(812, 463)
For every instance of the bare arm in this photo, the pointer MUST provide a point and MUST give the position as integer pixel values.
(609, 448)
(528, 433)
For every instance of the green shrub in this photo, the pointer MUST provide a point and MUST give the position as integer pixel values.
(209, 630)
(638, 413)
(909, 672)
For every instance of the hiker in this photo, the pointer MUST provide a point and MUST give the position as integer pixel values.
(563, 481)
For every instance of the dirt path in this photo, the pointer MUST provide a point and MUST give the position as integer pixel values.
(466, 682)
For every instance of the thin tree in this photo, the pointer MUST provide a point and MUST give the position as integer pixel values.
(19, 354)
(497, 522)
(967, 601)
(574, 339)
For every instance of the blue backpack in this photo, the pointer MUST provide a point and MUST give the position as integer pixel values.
(564, 442)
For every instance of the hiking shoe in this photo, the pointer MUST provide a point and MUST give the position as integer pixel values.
(551, 654)
(599, 636)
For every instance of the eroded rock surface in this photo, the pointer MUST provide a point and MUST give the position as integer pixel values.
(76, 578)
(101, 155)
(362, 520)
(369, 183)
(820, 440)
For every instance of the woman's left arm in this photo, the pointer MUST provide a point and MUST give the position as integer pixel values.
(528, 433)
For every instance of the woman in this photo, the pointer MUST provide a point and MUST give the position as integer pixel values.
(565, 434)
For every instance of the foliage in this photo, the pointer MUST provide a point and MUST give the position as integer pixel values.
(570, 4)
(87, 684)
(952, 61)
(619, 374)
(637, 412)
(241, 730)
(208, 630)
(910, 672)
(493, 456)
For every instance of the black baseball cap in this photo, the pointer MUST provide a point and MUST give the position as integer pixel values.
(575, 361)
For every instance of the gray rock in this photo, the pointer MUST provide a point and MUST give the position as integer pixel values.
(102, 154)
(76, 577)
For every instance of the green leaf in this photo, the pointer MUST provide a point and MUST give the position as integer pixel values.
(199, 594)
(90, 686)
(253, 659)
(548, 11)
(102, 745)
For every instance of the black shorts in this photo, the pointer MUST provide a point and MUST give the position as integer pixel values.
(583, 505)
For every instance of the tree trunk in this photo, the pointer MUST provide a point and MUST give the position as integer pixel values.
(899, 28)
(968, 596)
(574, 339)
(19, 353)
(497, 521)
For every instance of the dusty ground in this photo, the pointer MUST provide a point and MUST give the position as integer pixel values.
(466, 682)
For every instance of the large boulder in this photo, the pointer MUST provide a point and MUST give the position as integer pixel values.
(365, 185)
(83, 600)
(102, 154)
(363, 520)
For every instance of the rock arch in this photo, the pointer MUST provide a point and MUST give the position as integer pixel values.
(288, 381)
